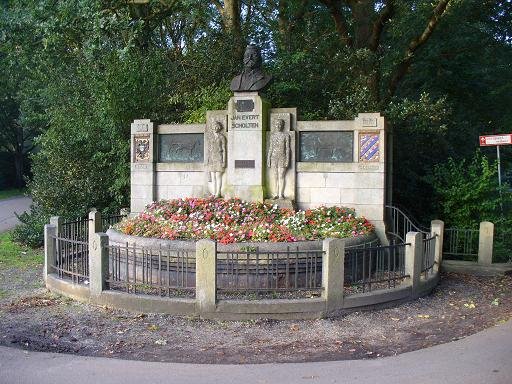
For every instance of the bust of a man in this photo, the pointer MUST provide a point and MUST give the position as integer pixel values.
(252, 77)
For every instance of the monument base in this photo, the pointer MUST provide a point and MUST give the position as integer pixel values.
(282, 203)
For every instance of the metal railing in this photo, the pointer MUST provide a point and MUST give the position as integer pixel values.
(77, 229)
(460, 244)
(399, 224)
(428, 259)
(254, 274)
(71, 261)
(368, 269)
(161, 271)
(109, 221)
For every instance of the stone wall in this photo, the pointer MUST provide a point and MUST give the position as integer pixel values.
(348, 170)
(359, 184)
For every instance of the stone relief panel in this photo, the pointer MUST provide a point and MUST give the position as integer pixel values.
(181, 148)
(369, 147)
(142, 146)
(326, 146)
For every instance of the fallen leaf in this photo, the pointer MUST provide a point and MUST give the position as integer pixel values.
(424, 316)
(395, 319)
(495, 302)
(294, 327)
(153, 327)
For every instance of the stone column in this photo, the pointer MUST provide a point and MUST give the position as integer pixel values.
(485, 243)
(143, 157)
(206, 281)
(333, 273)
(50, 231)
(57, 222)
(98, 263)
(94, 222)
(437, 228)
(413, 253)
(247, 126)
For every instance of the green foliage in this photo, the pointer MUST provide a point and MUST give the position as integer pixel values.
(30, 231)
(78, 72)
(197, 103)
(468, 193)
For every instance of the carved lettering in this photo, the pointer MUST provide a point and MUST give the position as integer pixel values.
(142, 127)
(368, 167)
(369, 121)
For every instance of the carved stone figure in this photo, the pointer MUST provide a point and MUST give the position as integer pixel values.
(216, 156)
(252, 77)
(278, 156)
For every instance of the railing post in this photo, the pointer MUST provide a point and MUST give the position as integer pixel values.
(98, 263)
(50, 231)
(206, 276)
(437, 229)
(333, 273)
(413, 258)
(94, 222)
(485, 243)
(57, 221)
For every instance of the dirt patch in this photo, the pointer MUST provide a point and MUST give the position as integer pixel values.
(34, 319)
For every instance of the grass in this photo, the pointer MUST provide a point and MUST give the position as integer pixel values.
(5, 194)
(16, 255)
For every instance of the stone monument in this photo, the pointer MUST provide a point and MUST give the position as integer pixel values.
(216, 156)
(256, 152)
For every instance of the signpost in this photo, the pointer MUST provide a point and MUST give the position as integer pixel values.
(496, 140)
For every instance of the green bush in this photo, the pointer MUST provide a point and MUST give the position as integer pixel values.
(31, 230)
(468, 193)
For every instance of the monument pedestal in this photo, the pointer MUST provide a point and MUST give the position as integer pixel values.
(282, 203)
(247, 126)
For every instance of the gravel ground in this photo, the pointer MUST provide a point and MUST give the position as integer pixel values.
(32, 318)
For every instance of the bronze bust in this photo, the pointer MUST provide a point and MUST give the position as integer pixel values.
(252, 77)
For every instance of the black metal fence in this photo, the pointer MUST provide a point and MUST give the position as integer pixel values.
(460, 244)
(398, 224)
(428, 259)
(254, 274)
(109, 221)
(71, 261)
(161, 272)
(368, 269)
(77, 229)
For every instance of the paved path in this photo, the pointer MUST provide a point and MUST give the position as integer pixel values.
(7, 208)
(483, 358)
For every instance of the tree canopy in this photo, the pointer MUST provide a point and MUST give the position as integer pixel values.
(75, 74)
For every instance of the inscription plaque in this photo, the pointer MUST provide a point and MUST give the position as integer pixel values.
(369, 122)
(142, 127)
(245, 164)
(181, 148)
(244, 105)
(326, 146)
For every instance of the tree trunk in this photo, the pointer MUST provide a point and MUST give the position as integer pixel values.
(18, 156)
(18, 166)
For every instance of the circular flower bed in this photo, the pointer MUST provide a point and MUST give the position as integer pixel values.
(234, 221)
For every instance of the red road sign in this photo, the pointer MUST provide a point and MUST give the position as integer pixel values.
(505, 139)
